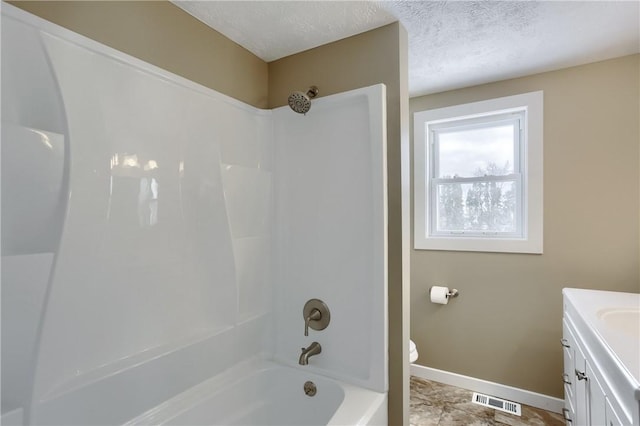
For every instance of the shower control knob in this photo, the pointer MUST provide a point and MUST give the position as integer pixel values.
(316, 315)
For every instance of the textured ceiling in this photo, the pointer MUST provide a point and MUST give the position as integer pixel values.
(275, 29)
(452, 44)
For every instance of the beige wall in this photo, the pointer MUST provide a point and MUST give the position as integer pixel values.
(506, 325)
(377, 56)
(164, 35)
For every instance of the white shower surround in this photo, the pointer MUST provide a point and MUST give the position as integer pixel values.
(330, 233)
(131, 316)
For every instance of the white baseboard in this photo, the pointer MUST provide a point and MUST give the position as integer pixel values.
(522, 396)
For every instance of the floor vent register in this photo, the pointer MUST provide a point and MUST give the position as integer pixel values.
(497, 403)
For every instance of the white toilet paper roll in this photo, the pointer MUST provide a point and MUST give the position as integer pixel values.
(439, 295)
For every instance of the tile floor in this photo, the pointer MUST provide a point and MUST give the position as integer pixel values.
(433, 403)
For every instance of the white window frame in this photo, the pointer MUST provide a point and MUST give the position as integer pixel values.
(529, 236)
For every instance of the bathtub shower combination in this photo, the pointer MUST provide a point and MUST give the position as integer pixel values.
(160, 241)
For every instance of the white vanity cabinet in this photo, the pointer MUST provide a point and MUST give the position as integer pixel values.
(601, 358)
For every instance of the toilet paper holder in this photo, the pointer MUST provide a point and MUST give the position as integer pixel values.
(451, 293)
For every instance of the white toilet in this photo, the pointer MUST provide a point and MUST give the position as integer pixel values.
(413, 352)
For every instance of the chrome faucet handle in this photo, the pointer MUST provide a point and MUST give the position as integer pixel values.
(315, 315)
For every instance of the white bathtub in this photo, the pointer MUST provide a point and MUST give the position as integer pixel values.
(266, 393)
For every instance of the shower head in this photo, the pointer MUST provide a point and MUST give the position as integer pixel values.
(301, 102)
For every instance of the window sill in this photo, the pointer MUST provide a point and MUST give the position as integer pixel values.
(479, 244)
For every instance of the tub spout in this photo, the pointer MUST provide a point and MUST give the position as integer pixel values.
(313, 349)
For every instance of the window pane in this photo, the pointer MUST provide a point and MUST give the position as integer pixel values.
(477, 207)
(476, 152)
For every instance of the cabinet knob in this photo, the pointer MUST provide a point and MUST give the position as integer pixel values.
(581, 376)
(565, 343)
(565, 413)
(565, 378)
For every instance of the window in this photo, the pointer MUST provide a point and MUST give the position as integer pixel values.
(478, 176)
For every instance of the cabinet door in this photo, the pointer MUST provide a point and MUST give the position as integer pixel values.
(568, 351)
(568, 376)
(595, 398)
(612, 418)
(580, 378)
